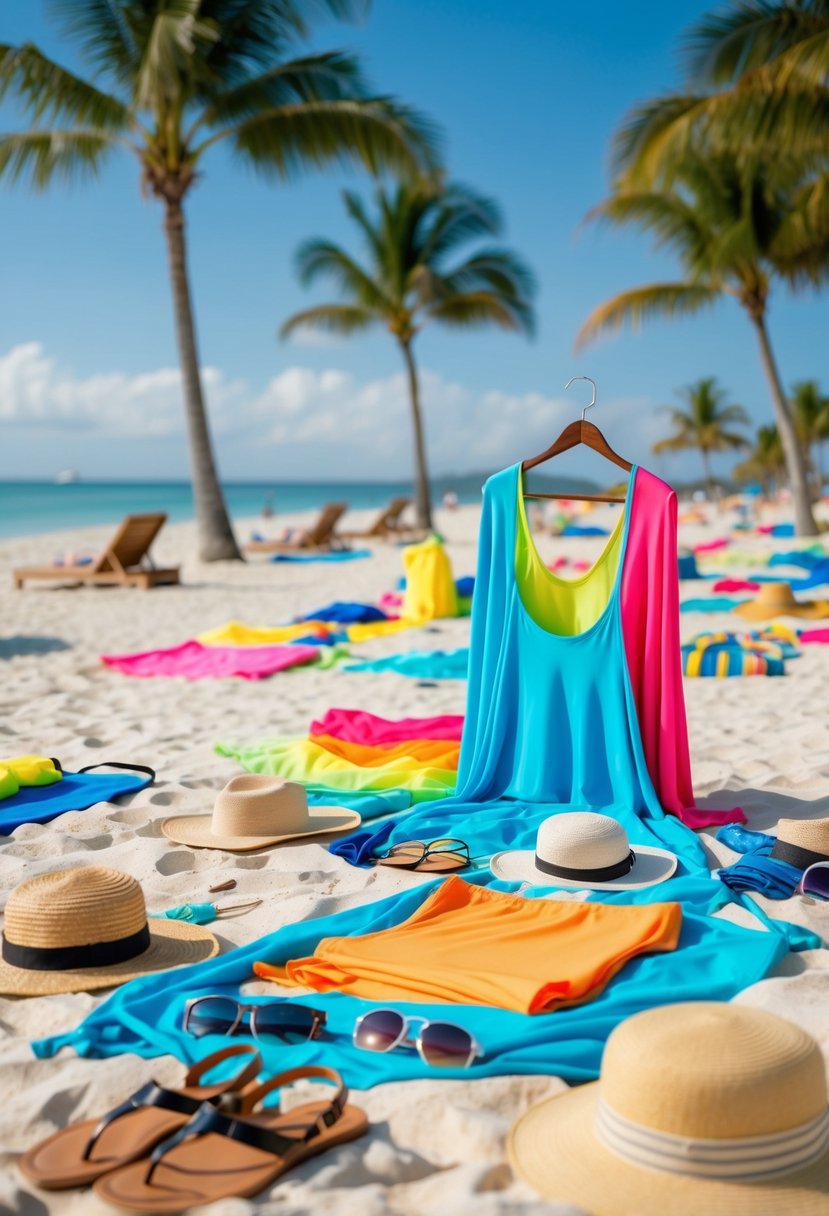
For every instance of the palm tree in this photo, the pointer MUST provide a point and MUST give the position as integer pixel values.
(810, 409)
(735, 228)
(169, 80)
(765, 462)
(704, 424)
(410, 278)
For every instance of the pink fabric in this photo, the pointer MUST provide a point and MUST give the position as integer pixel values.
(558, 563)
(197, 662)
(765, 529)
(360, 726)
(736, 584)
(650, 625)
(814, 635)
(582, 565)
(390, 602)
(709, 546)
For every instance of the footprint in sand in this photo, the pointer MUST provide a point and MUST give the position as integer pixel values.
(176, 862)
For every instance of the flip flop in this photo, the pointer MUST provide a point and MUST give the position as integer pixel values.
(220, 1156)
(79, 1154)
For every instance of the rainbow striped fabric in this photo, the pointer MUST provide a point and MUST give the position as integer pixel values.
(719, 655)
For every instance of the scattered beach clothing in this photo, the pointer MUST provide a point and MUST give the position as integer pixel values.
(722, 655)
(777, 599)
(74, 792)
(742, 840)
(820, 636)
(807, 558)
(335, 555)
(430, 584)
(465, 586)
(717, 603)
(25, 772)
(713, 960)
(762, 874)
(86, 928)
(583, 530)
(379, 629)
(818, 576)
(360, 726)
(729, 585)
(687, 567)
(345, 613)
(532, 956)
(712, 546)
(193, 661)
(237, 633)
(424, 767)
(256, 811)
(780, 530)
(420, 664)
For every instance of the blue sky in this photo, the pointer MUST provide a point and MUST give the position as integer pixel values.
(528, 95)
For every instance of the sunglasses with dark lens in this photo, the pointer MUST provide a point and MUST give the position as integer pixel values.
(441, 1044)
(814, 881)
(269, 1022)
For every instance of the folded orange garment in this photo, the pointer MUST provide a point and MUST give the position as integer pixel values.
(474, 946)
(441, 753)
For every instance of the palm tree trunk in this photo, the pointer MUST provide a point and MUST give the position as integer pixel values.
(216, 539)
(706, 464)
(423, 497)
(795, 463)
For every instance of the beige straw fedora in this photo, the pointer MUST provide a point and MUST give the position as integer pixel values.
(701, 1110)
(75, 930)
(255, 810)
(582, 851)
(777, 599)
(802, 842)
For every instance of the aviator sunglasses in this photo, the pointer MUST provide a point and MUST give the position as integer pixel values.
(441, 1044)
(273, 1021)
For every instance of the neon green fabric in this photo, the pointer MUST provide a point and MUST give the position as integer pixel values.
(563, 606)
(22, 771)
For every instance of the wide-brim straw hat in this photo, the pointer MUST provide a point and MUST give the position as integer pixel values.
(86, 928)
(585, 851)
(254, 811)
(701, 1110)
(777, 599)
(802, 842)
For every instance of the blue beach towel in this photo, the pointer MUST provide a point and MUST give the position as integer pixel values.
(74, 792)
(336, 555)
(346, 613)
(420, 664)
(717, 603)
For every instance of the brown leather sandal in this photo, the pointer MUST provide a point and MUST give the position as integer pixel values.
(77, 1155)
(220, 1156)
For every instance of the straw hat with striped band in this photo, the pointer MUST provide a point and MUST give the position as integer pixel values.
(255, 810)
(802, 842)
(701, 1110)
(76, 930)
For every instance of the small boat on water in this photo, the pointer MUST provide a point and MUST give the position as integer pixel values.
(67, 477)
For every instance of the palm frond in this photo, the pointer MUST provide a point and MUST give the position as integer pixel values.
(316, 259)
(377, 132)
(461, 215)
(498, 270)
(641, 304)
(169, 61)
(324, 77)
(472, 308)
(102, 28)
(46, 155)
(674, 221)
(51, 92)
(732, 41)
(331, 318)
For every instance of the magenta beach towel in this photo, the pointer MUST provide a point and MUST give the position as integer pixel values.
(360, 726)
(196, 662)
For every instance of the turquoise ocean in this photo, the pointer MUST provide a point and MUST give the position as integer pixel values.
(29, 507)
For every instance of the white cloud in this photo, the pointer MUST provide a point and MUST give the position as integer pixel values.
(303, 424)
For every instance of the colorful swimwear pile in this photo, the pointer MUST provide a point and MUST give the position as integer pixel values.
(732, 654)
(350, 751)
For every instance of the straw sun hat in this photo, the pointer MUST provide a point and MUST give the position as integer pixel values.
(802, 842)
(777, 599)
(75, 930)
(255, 810)
(701, 1110)
(582, 851)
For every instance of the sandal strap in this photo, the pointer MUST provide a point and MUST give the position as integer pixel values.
(211, 1118)
(153, 1094)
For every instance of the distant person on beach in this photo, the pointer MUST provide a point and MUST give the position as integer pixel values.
(450, 500)
(268, 507)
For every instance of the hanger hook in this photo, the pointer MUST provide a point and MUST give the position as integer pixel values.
(572, 380)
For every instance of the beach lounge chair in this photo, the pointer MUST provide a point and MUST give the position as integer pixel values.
(320, 536)
(386, 525)
(124, 562)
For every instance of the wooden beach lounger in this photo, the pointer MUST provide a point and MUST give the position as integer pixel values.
(320, 536)
(124, 562)
(386, 525)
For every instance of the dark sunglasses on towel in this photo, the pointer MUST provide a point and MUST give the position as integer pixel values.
(441, 1044)
(269, 1022)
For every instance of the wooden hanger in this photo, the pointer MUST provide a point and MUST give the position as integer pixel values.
(572, 435)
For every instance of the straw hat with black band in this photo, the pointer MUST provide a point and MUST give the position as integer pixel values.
(702, 1109)
(86, 928)
(802, 842)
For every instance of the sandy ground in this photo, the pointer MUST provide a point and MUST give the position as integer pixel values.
(435, 1147)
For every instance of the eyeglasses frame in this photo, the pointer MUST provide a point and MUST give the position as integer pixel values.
(319, 1017)
(476, 1052)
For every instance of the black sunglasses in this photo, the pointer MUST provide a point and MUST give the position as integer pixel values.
(275, 1021)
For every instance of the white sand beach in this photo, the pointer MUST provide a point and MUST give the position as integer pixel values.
(434, 1147)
